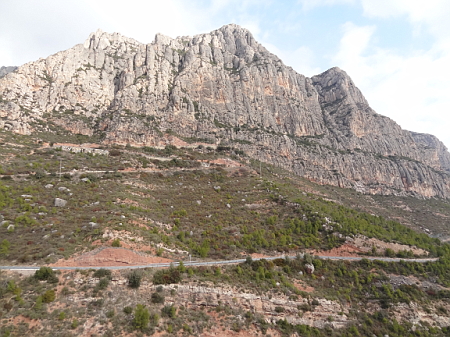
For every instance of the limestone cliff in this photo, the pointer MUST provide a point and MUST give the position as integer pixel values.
(226, 87)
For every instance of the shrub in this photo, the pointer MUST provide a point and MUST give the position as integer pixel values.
(116, 243)
(187, 328)
(134, 279)
(99, 273)
(167, 276)
(389, 252)
(279, 309)
(128, 310)
(38, 305)
(141, 317)
(49, 296)
(154, 319)
(169, 311)
(4, 247)
(103, 283)
(8, 306)
(181, 267)
(40, 174)
(115, 153)
(43, 273)
(74, 324)
(304, 307)
(157, 298)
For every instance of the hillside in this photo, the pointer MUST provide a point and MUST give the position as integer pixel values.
(224, 88)
(163, 204)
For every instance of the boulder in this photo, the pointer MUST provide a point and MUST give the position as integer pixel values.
(309, 268)
(93, 225)
(60, 202)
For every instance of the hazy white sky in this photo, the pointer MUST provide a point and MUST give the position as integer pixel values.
(396, 51)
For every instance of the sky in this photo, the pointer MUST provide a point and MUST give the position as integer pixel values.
(396, 51)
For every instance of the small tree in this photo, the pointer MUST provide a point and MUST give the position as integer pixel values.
(43, 273)
(46, 274)
(4, 247)
(38, 305)
(99, 273)
(169, 311)
(307, 258)
(116, 243)
(49, 296)
(167, 276)
(74, 324)
(103, 284)
(389, 252)
(141, 317)
(181, 267)
(134, 279)
(154, 319)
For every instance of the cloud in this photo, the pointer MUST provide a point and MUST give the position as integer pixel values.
(32, 29)
(354, 43)
(412, 89)
(310, 4)
(143, 19)
(302, 59)
(431, 15)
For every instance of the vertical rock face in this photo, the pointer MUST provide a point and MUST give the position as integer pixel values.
(228, 88)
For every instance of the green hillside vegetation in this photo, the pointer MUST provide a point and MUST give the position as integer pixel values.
(226, 212)
(168, 199)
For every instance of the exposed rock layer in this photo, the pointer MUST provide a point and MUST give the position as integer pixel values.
(225, 87)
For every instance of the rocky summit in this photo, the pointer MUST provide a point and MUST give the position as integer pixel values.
(224, 89)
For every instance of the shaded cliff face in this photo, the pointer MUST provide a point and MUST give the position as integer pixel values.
(6, 70)
(225, 87)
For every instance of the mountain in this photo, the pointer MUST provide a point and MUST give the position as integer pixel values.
(224, 89)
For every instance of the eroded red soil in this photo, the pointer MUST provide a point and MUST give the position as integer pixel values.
(105, 257)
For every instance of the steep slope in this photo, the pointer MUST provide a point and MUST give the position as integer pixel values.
(224, 88)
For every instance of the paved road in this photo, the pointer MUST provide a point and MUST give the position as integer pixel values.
(211, 263)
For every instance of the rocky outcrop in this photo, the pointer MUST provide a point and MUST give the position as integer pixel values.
(6, 70)
(226, 87)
